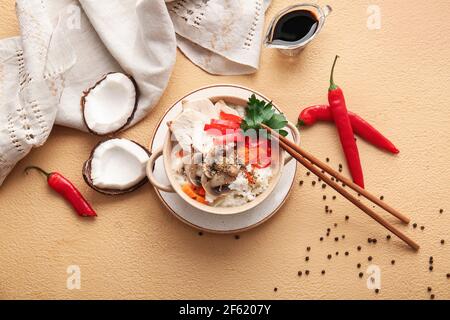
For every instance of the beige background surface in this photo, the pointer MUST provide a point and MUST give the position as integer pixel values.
(396, 77)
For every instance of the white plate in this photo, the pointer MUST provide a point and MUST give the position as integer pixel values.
(207, 221)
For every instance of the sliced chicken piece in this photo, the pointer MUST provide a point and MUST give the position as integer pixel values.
(205, 106)
(222, 106)
(188, 129)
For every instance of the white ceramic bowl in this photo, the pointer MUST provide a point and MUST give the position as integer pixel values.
(236, 96)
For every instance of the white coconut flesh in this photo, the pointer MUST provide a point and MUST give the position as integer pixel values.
(118, 164)
(109, 105)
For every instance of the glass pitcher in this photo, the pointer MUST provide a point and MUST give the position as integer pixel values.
(292, 48)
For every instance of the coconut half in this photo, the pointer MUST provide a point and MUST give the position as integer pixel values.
(109, 106)
(116, 166)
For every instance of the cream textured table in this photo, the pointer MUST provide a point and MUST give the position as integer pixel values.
(396, 77)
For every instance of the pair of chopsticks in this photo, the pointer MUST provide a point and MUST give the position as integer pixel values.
(316, 166)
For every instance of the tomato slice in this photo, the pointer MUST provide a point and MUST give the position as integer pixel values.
(230, 117)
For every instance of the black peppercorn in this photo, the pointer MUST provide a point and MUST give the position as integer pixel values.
(382, 198)
(307, 272)
(323, 271)
(432, 296)
(329, 256)
(422, 228)
(414, 225)
(429, 289)
(237, 237)
(307, 259)
(430, 268)
(299, 273)
(301, 182)
(200, 233)
(336, 239)
(377, 290)
(388, 237)
(392, 262)
(442, 241)
(321, 239)
(275, 289)
(308, 249)
(441, 210)
(347, 217)
(370, 258)
(358, 265)
(361, 274)
(346, 253)
(324, 185)
(359, 248)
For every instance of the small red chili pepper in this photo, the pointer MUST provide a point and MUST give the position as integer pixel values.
(342, 121)
(65, 188)
(230, 117)
(361, 127)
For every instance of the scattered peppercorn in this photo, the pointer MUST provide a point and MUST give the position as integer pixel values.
(359, 248)
(370, 258)
(442, 241)
(361, 274)
(200, 233)
(313, 183)
(377, 290)
(388, 237)
(347, 217)
(308, 249)
(324, 197)
(414, 225)
(275, 289)
(343, 236)
(337, 253)
(369, 240)
(335, 225)
(321, 239)
(331, 211)
(323, 271)
(301, 182)
(307, 259)
(237, 237)
(430, 268)
(441, 210)
(307, 272)
(392, 262)
(327, 159)
(358, 265)
(308, 173)
(346, 253)
(299, 273)
(382, 198)
(329, 257)
(429, 289)
(374, 241)
(448, 275)
(336, 239)
(334, 197)
(422, 228)
(324, 185)
(432, 296)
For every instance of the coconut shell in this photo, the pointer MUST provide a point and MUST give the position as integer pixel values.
(86, 93)
(87, 170)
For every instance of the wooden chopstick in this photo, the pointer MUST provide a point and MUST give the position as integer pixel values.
(295, 150)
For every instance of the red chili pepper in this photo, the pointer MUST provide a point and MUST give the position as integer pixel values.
(230, 117)
(361, 127)
(65, 188)
(226, 123)
(344, 126)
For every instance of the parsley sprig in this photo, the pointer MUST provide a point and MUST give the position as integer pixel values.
(260, 112)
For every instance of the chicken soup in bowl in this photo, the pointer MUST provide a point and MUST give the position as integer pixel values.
(214, 161)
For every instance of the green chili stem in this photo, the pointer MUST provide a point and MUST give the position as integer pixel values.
(333, 86)
(38, 169)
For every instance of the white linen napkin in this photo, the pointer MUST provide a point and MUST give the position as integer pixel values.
(67, 45)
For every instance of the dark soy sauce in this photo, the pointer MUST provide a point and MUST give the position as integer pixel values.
(295, 27)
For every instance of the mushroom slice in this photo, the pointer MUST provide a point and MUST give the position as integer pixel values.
(109, 106)
(116, 166)
(194, 169)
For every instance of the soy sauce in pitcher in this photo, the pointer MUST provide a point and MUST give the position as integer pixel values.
(295, 27)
